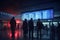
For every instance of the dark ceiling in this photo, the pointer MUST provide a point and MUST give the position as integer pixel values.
(16, 6)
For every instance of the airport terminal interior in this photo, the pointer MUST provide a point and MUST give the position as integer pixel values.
(35, 20)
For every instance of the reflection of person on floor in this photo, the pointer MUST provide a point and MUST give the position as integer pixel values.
(13, 26)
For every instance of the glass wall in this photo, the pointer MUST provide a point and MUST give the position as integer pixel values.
(43, 14)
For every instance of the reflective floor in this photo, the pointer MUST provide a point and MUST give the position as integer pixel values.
(5, 34)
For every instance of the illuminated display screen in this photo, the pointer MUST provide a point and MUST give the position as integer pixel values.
(43, 14)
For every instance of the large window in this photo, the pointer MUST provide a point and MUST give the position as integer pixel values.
(43, 14)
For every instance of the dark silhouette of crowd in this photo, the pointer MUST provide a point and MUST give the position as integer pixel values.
(28, 26)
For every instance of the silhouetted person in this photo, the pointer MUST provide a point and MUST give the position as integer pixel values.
(46, 28)
(1, 26)
(58, 31)
(52, 32)
(39, 27)
(25, 28)
(31, 27)
(13, 26)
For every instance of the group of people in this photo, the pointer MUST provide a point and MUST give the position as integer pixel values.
(29, 26)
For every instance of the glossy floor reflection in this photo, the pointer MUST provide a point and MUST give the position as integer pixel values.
(6, 35)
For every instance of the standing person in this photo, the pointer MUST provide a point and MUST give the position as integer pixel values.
(39, 27)
(52, 32)
(31, 27)
(25, 28)
(58, 31)
(1, 26)
(46, 28)
(13, 26)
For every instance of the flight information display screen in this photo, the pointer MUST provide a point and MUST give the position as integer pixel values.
(42, 14)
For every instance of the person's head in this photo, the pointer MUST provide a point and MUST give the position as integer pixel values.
(25, 19)
(31, 19)
(38, 19)
(13, 17)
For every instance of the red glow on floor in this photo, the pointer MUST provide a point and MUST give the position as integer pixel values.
(16, 34)
(18, 30)
(9, 34)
